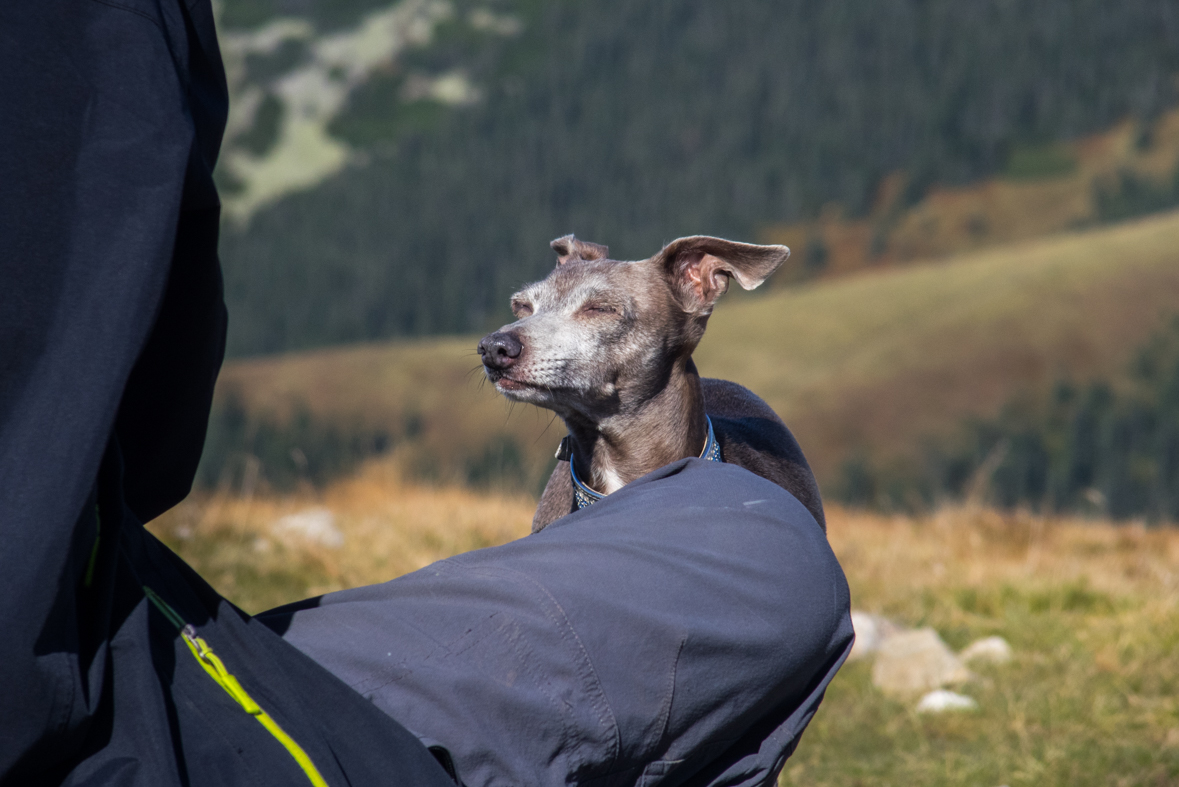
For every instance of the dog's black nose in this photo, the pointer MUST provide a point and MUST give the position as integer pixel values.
(500, 350)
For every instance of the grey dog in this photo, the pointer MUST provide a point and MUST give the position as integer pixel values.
(607, 345)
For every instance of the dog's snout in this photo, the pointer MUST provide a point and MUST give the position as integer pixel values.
(500, 350)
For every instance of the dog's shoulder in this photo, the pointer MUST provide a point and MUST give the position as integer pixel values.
(557, 499)
(729, 400)
(753, 436)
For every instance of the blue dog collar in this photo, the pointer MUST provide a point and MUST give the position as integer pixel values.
(587, 497)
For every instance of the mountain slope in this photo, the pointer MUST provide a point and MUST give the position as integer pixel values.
(878, 363)
(445, 164)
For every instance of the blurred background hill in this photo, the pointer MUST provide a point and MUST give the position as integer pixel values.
(976, 339)
(959, 313)
(381, 151)
(1052, 360)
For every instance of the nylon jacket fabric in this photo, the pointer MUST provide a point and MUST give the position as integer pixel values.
(680, 631)
(112, 327)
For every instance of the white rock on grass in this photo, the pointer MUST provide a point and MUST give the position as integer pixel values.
(941, 700)
(912, 662)
(988, 650)
(317, 525)
(871, 632)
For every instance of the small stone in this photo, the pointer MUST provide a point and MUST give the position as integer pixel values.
(871, 631)
(988, 650)
(916, 661)
(313, 524)
(941, 700)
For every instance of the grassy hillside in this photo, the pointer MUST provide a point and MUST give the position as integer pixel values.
(1129, 170)
(381, 151)
(878, 363)
(883, 360)
(1091, 696)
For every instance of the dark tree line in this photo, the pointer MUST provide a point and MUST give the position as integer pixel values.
(1109, 448)
(246, 450)
(633, 122)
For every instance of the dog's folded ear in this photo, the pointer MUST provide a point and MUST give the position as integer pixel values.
(699, 268)
(569, 249)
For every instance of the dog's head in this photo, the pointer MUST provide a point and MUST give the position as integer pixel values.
(597, 336)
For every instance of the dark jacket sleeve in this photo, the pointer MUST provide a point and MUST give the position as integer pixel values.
(113, 328)
(95, 148)
(680, 632)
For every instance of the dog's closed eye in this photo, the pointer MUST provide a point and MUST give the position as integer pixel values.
(521, 309)
(593, 308)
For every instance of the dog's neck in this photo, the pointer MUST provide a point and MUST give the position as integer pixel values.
(610, 453)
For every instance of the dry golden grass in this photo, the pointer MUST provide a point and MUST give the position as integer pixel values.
(1091, 609)
(389, 528)
(891, 557)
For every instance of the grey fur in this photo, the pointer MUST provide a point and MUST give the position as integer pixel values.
(607, 345)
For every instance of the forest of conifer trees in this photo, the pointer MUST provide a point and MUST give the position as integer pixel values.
(632, 123)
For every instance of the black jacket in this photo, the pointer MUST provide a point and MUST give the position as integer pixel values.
(682, 631)
(112, 329)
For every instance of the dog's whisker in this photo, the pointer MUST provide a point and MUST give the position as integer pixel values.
(545, 430)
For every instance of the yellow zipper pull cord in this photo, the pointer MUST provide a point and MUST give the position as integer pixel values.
(213, 665)
(216, 669)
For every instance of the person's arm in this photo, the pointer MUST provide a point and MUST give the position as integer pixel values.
(105, 168)
(683, 629)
